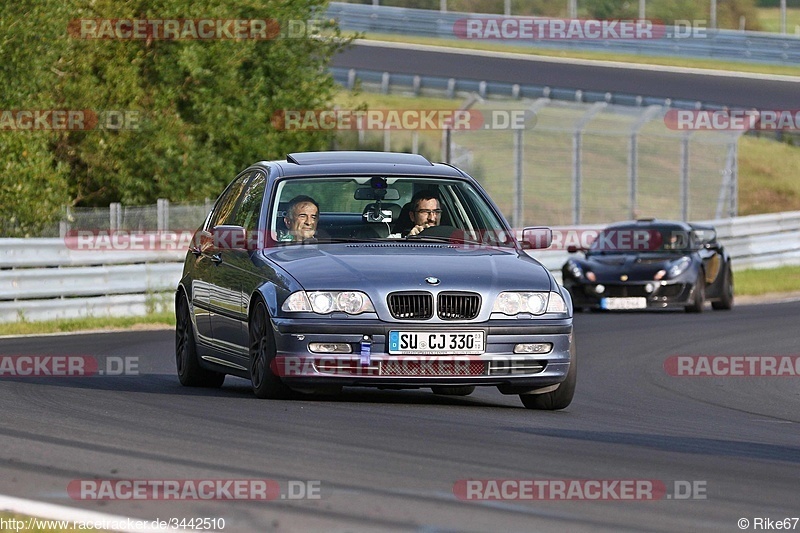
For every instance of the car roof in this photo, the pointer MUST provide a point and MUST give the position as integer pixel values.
(348, 163)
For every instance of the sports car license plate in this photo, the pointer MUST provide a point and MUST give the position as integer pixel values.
(434, 342)
(623, 303)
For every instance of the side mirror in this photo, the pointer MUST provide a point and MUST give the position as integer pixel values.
(229, 237)
(537, 238)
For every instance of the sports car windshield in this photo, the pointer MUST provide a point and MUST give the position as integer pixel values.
(639, 239)
(383, 208)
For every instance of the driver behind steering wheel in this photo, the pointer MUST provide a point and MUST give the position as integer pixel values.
(425, 212)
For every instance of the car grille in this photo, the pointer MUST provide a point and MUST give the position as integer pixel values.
(458, 306)
(411, 306)
(433, 368)
(671, 290)
(623, 291)
(419, 305)
(405, 367)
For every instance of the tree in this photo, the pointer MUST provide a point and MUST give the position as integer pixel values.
(202, 108)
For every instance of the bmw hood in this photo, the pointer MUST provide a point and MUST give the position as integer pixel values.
(386, 267)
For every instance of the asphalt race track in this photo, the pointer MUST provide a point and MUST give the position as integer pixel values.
(724, 448)
(735, 90)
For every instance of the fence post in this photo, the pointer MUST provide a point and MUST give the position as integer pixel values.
(577, 143)
(734, 206)
(114, 216)
(162, 213)
(519, 203)
(63, 224)
(685, 177)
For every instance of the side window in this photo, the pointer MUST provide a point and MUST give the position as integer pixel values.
(250, 208)
(223, 210)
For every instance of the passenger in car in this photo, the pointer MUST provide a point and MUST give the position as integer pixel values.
(302, 215)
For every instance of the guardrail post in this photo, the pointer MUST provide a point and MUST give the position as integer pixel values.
(385, 83)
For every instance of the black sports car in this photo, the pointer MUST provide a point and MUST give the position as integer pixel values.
(651, 264)
(332, 269)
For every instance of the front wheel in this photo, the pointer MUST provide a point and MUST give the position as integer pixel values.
(190, 373)
(699, 299)
(562, 396)
(262, 355)
(725, 302)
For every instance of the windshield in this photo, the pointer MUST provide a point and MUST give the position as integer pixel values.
(383, 208)
(638, 239)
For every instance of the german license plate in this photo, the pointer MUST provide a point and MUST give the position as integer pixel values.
(434, 342)
(623, 303)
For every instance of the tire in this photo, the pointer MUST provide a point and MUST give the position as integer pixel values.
(465, 390)
(266, 384)
(725, 303)
(562, 396)
(190, 373)
(699, 300)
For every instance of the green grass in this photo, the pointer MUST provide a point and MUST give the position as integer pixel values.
(770, 19)
(772, 280)
(768, 176)
(166, 318)
(671, 61)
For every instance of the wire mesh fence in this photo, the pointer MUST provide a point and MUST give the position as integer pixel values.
(560, 163)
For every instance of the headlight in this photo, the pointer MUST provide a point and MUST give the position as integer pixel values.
(679, 267)
(325, 302)
(535, 303)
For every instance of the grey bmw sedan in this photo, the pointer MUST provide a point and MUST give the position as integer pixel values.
(370, 269)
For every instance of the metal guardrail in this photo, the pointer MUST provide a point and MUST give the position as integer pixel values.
(43, 279)
(730, 45)
(386, 82)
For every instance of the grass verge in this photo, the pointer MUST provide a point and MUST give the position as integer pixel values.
(773, 280)
(166, 318)
(770, 19)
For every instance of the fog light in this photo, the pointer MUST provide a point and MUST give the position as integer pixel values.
(649, 287)
(534, 347)
(330, 347)
(599, 289)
